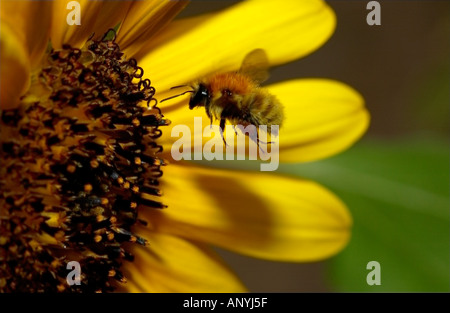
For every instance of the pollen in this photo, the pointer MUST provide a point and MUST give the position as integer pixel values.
(110, 236)
(136, 122)
(100, 218)
(77, 169)
(71, 168)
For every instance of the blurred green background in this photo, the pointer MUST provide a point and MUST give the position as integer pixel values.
(395, 180)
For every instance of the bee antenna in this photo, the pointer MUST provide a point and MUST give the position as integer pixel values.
(176, 95)
(178, 86)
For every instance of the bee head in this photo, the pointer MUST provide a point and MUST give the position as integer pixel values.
(200, 98)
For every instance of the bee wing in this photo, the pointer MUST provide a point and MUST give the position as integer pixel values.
(256, 65)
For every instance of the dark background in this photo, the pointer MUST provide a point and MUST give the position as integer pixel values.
(400, 67)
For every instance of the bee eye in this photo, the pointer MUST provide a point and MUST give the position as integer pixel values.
(201, 97)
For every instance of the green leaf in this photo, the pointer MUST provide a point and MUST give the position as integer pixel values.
(398, 194)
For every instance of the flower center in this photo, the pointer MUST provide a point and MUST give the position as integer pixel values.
(78, 161)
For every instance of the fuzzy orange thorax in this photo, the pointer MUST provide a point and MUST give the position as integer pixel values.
(235, 82)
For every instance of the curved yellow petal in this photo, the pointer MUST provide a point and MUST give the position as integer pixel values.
(173, 264)
(286, 30)
(144, 20)
(30, 20)
(14, 69)
(267, 216)
(322, 117)
(96, 18)
(173, 30)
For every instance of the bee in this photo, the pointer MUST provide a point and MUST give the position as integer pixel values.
(237, 97)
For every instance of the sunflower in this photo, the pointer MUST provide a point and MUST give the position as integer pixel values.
(84, 146)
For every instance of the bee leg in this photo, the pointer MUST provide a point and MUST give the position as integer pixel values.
(222, 128)
(210, 117)
(234, 128)
(258, 141)
(266, 143)
(255, 138)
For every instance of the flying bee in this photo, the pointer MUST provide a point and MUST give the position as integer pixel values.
(236, 96)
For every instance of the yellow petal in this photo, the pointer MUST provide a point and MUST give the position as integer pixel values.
(144, 20)
(96, 18)
(267, 216)
(172, 264)
(30, 20)
(14, 69)
(173, 30)
(286, 30)
(322, 117)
